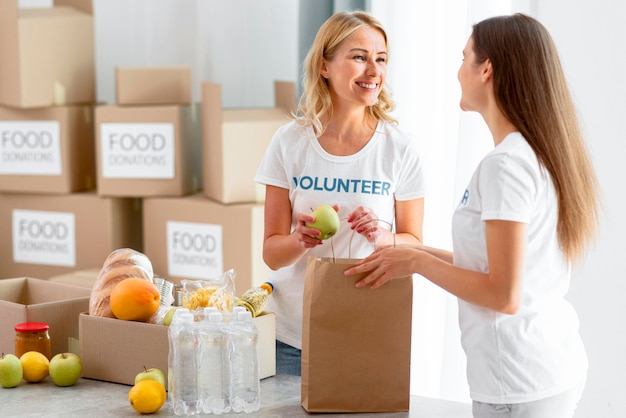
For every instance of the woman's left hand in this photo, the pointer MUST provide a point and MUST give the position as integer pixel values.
(365, 222)
(385, 264)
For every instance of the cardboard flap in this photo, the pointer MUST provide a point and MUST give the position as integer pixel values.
(12, 290)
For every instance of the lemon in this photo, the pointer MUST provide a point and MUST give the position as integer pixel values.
(35, 366)
(147, 396)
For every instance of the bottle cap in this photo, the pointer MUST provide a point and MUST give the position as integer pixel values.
(215, 316)
(185, 317)
(209, 309)
(244, 315)
(268, 286)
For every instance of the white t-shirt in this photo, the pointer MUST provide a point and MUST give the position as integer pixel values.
(387, 169)
(537, 352)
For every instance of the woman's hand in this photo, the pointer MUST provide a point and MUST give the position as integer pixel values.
(365, 222)
(386, 264)
(306, 237)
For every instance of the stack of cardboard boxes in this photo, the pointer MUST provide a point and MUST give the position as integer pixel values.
(52, 220)
(154, 172)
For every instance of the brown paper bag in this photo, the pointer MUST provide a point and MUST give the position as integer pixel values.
(356, 343)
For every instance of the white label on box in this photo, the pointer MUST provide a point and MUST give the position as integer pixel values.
(137, 150)
(194, 250)
(41, 237)
(30, 148)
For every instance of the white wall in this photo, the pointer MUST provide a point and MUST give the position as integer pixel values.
(243, 45)
(591, 37)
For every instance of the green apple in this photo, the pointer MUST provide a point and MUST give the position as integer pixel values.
(11, 371)
(151, 374)
(65, 369)
(326, 221)
(167, 319)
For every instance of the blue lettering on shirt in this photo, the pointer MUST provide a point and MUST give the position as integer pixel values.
(465, 197)
(329, 184)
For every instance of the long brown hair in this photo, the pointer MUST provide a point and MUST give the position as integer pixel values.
(532, 92)
(315, 106)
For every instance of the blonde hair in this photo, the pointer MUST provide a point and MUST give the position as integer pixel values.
(315, 106)
(532, 92)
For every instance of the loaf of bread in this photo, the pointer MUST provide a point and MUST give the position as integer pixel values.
(121, 264)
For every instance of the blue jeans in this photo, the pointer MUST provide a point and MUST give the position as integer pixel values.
(288, 359)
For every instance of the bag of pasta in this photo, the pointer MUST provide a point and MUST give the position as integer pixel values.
(218, 292)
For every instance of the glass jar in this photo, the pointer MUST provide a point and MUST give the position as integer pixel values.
(32, 336)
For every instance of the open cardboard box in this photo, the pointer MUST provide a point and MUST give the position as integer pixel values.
(234, 142)
(27, 299)
(115, 351)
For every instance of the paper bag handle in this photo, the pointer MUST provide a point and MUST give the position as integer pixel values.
(332, 248)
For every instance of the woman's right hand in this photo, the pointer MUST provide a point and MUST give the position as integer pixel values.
(306, 237)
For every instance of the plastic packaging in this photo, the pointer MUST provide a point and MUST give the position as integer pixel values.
(183, 363)
(246, 387)
(255, 299)
(214, 364)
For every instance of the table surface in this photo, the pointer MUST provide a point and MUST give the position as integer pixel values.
(280, 397)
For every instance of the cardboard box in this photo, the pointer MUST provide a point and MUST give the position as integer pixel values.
(234, 142)
(34, 300)
(148, 151)
(140, 86)
(196, 238)
(47, 54)
(115, 351)
(47, 150)
(81, 278)
(48, 235)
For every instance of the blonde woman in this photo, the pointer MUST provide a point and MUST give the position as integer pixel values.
(529, 211)
(343, 149)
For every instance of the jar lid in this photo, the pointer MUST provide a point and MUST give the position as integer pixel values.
(32, 327)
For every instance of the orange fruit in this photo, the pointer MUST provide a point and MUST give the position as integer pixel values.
(147, 396)
(35, 366)
(134, 299)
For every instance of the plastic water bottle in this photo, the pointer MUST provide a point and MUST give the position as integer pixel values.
(246, 387)
(183, 365)
(214, 365)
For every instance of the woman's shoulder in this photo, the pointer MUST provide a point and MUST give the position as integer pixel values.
(513, 153)
(292, 129)
(397, 135)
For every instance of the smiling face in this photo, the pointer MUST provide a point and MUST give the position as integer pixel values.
(356, 73)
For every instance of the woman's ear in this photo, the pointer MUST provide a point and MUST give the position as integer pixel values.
(324, 69)
(487, 70)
